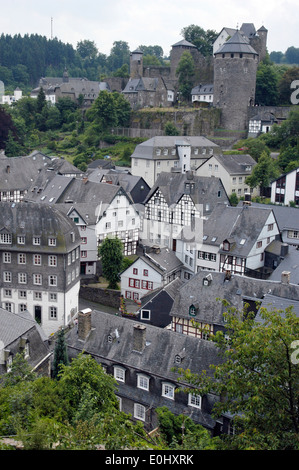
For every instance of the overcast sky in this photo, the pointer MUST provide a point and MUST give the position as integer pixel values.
(146, 22)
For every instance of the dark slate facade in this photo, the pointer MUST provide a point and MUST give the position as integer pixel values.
(142, 359)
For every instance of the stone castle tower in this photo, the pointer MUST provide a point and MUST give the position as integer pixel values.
(136, 64)
(235, 67)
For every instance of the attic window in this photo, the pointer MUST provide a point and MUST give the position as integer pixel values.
(226, 246)
(242, 242)
(192, 310)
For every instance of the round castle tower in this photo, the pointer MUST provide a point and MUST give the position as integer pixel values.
(235, 67)
(136, 64)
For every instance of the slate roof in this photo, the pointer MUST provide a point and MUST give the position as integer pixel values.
(20, 172)
(234, 291)
(289, 263)
(272, 302)
(157, 358)
(170, 288)
(164, 261)
(235, 224)
(203, 89)
(84, 191)
(172, 186)
(235, 164)
(33, 219)
(48, 189)
(21, 325)
(15, 325)
(236, 44)
(147, 149)
(286, 217)
(75, 85)
(89, 212)
(183, 42)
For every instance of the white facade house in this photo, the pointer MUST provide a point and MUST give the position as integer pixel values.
(170, 154)
(174, 212)
(39, 263)
(9, 99)
(156, 268)
(285, 189)
(232, 170)
(235, 239)
(119, 219)
(203, 94)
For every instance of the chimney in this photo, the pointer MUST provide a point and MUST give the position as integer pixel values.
(284, 249)
(84, 323)
(285, 277)
(139, 336)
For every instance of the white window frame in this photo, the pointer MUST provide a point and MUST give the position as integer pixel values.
(37, 259)
(36, 241)
(194, 400)
(52, 260)
(37, 279)
(144, 318)
(53, 312)
(52, 241)
(119, 374)
(21, 240)
(21, 258)
(6, 257)
(5, 238)
(143, 382)
(168, 390)
(22, 278)
(139, 411)
(52, 280)
(7, 276)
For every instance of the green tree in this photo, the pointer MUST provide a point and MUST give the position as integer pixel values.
(111, 254)
(87, 49)
(85, 378)
(171, 129)
(263, 172)
(200, 38)
(284, 85)
(258, 378)
(102, 113)
(266, 85)
(60, 353)
(185, 72)
(292, 55)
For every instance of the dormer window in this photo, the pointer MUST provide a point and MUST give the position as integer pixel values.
(192, 310)
(226, 245)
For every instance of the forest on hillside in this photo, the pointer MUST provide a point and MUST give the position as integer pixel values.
(24, 60)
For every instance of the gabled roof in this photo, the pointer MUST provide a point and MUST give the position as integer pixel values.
(163, 261)
(234, 164)
(240, 225)
(158, 356)
(15, 325)
(272, 302)
(173, 187)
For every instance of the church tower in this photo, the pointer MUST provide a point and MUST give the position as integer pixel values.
(235, 67)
